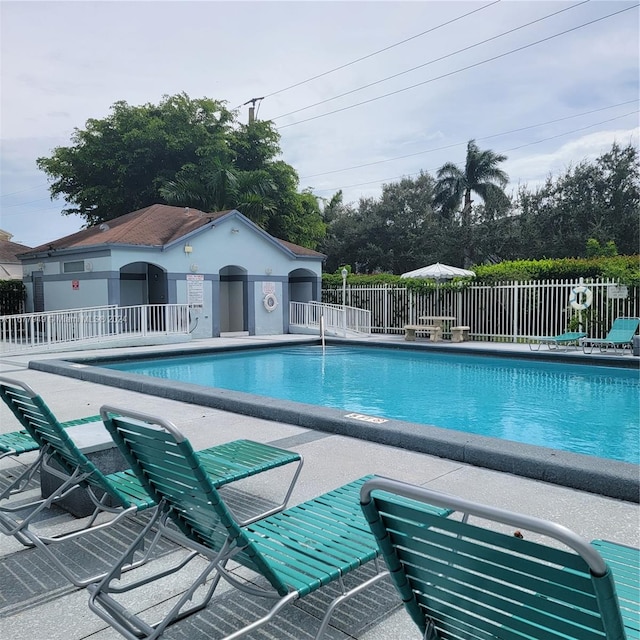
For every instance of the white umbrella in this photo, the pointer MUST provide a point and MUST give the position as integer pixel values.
(438, 271)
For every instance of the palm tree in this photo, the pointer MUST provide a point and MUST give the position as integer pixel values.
(481, 175)
(222, 187)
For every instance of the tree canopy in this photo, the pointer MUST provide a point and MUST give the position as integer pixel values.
(183, 151)
(593, 208)
(481, 174)
(195, 153)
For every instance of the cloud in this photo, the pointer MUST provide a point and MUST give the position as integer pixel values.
(584, 149)
(82, 57)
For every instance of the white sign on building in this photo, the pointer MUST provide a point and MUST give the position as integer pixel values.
(195, 290)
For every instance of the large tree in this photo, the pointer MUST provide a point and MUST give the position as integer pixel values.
(454, 187)
(481, 175)
(184, 152)
(395, 233)
(595, 199)
(118, 164)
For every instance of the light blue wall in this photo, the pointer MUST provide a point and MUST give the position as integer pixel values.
(234, 257)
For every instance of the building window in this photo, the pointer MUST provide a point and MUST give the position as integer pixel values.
(73, 267)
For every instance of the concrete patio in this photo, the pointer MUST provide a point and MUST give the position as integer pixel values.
(37, 604)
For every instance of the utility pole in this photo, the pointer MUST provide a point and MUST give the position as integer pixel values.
(252, 112)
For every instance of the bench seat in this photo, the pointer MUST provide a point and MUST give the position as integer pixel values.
(460, 333)
(410, 330)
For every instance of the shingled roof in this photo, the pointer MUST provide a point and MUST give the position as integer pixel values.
(10, 266)
(154, 226)
(9, 251)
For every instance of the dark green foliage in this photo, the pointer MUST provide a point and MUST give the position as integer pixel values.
(625, 269)
(183, 152)
(117, 164)
(195, 153)
(12, 297)
(595, 249)
(390, 234)
(481, 175)
(597, 200)
(592, 210)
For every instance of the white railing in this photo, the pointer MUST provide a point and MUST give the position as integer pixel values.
(507, 312)
(46, 330)
(337, 319)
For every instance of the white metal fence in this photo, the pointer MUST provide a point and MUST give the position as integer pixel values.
(42, 331)
(505, 312)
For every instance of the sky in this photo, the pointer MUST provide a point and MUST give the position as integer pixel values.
(362, 93)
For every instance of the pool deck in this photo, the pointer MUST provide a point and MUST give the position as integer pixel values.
(37, 604)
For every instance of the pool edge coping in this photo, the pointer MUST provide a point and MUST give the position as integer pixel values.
(611, 478)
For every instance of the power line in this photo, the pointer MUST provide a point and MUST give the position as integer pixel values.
(457, 144)
(451, 73)
(19, 204)
(409, 175)
(528, 144)
(375, 53)
(425, 64)
(32, 213)
(13, 193)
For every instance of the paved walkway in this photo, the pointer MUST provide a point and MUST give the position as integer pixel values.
(35, 604)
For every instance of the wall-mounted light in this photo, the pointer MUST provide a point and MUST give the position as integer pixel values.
(193, 267)
(268, 271)
(188, 248)
(40, 266)
(234, 230)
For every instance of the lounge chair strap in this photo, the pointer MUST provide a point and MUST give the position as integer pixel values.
(430, 632)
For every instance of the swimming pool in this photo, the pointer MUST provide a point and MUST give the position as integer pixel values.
(582, 409)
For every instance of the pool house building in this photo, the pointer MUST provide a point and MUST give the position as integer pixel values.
(227, 273)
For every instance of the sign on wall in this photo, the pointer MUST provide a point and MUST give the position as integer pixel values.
(268, 287)
(195, 290)
(617, 292)
(75, 284)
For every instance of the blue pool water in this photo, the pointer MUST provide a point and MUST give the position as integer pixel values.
(579, 408)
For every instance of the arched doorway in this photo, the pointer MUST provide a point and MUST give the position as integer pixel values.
(302, 285)
(233, 299)
(144, 283)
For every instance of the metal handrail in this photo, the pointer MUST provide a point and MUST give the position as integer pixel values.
(339, 319)
(44, 331)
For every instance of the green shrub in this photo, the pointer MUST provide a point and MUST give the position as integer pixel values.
(12, 297)
(624, 269)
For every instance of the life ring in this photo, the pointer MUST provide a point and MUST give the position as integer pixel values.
(587, 298)
(270, 302)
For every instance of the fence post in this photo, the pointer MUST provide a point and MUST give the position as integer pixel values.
(385, 308)
(580, 284)
(516, 304)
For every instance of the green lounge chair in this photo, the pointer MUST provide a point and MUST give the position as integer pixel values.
(296, 552)
(619, 338)
(625, 565)
(15, 443)
(463, 580)
(570, 338)
(120, 494)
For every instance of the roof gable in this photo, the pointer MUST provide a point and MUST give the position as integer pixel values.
(159, 225)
